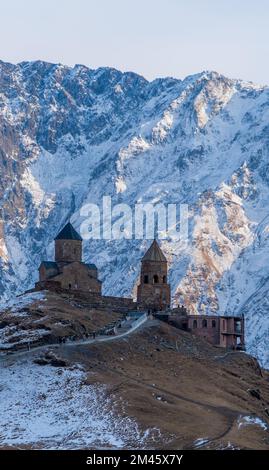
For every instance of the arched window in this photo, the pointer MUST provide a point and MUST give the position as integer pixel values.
(70, 286)
(204, 323)
(213, 323)
(164, 279)
(155, 279)
(194, 325)
(146, 279)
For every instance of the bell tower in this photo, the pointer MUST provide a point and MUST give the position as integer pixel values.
(153, 291)
(68, 245)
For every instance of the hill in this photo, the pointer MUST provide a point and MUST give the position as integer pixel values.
(155, 387)
(48, 317)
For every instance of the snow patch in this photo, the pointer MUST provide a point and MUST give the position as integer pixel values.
(252, 420)
(52, 408)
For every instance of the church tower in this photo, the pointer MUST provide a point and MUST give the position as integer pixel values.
(153, 292)
(68, 245)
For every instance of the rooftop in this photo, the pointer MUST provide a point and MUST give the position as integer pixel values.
(68, 233)
(49, 264)
(154, 253)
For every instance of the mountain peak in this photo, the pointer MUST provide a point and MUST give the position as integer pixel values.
(71, 135)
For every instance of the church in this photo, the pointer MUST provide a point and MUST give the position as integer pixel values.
(68, 270)
(69, 273)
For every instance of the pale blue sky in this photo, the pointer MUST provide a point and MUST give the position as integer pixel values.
(151, 37)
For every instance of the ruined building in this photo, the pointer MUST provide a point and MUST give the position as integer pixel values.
(226, 331)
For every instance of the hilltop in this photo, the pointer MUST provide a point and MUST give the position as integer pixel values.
(156, 387)
(46, 317)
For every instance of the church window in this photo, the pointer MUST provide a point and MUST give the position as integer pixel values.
(204, 323)
(146, 279)
(155, 279)
(213, 323)
(194, 324)
(164, 279)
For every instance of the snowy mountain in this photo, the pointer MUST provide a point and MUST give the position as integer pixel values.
(72, 135)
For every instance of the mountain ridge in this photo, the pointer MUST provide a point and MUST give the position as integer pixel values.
(70, 135)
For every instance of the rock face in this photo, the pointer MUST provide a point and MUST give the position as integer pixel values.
(73, 135)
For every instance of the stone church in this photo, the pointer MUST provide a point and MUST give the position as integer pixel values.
(68, 270)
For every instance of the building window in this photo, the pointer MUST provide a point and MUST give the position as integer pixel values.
(204, 323)
(238, 327)
(213, 323)
(146, 279)
(70, 286)
(194, 325)
(164, 279)
(155, 279)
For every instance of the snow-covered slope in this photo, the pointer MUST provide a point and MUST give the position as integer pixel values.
(54, 408)
(72, 135)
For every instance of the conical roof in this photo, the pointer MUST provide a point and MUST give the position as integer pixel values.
(154, 253)
(68, 233)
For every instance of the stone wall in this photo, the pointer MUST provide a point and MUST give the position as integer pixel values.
(219, 331)
(154, 297)
(77, 276)
(47, 285)
(68, 250)
(205, 327)
(153, 292)
(93, 300)
(45, 273)
(153, 268)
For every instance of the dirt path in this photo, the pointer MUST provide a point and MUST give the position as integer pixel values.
(24, 354)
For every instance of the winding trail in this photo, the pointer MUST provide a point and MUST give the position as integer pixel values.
(5, 358)
(229, 415)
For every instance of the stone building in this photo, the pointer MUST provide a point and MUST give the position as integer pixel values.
(224, 331)
(153, 292)
(68, 271)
